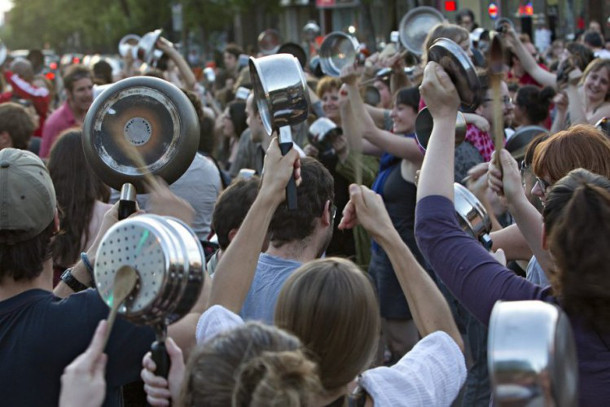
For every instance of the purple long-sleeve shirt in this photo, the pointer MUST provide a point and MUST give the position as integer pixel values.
(478, 281)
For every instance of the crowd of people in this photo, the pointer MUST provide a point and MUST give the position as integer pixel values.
(371, 292)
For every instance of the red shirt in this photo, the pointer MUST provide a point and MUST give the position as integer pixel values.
(40, 97)
(60, 120)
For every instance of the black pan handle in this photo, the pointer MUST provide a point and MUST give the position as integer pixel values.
(127, 201)
(291, 188)
(161, 358)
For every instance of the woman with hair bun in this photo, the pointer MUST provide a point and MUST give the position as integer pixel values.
(531, 107)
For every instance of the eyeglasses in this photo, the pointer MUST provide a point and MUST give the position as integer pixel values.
(542, 184)
(507, 100)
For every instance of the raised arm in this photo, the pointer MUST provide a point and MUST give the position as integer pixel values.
(235, 271)
(396, 145)
(543, 77)
(428, 306)
(186, 73)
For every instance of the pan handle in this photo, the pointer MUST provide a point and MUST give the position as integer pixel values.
(285, 140)
(127, 201)
(161, 358)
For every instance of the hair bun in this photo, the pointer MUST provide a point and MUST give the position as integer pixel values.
(288, 378)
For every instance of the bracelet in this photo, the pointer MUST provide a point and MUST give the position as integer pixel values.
(85, 259)
(72, 282)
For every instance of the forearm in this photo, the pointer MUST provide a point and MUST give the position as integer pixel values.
(530, 65)
(235, 271)
(529, 221)
(576, 105)
(511, 241)
(429, 308)
(436, 177)
(188, 77)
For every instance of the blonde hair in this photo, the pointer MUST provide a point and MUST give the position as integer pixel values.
(453, 32)
(331, 306)
(253, 365)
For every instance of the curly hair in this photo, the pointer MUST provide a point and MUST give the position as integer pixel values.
(577, 223)
(327, 84)
(317, 187)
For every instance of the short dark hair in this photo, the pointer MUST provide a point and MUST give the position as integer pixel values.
(535, 102)
(102, 72)
(23, 261)
(16, 121)
(463, 13)
(594, 39)
(316, 188)
(234, 49)
(232, 206)
(408, 97)
(75, 73)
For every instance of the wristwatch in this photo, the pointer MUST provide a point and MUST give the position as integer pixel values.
(71, 281)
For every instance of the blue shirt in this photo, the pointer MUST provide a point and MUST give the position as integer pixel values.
(271, 273)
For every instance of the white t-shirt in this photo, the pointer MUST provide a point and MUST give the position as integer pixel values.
(431, 374)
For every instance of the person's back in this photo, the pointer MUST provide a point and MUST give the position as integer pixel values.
(39, 332)
(296, 236)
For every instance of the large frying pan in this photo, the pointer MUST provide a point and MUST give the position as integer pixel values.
(140, 127)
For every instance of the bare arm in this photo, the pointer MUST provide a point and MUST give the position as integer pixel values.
(188, 77)
(544, 78)
(235, 271)
(428, 306)
(436, 177)
(511, 241)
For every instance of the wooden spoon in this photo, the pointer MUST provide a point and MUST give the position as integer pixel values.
(495, 63)
(124, 282)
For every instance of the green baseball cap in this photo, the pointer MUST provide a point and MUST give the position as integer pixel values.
(27, 196)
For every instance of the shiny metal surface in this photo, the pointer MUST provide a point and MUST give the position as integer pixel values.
(145, 50)
(423, 127)
(322, 133)
(460, 69)
(532, 355)
(168, 259)
(269, 41)
(517, 144)
(146, 117)
(472, 216)
(128, 45)
(415, 26)
(3, 53)
(280, 90)
(336, 51)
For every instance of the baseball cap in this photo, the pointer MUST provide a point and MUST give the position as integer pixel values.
(27, 196)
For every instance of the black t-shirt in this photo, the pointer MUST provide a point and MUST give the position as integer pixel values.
(40, 334)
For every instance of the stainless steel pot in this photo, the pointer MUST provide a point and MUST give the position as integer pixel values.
(145, 50)
(280, 91)
(128, 44)
(423, 127)
(146, 117)
(322, 133)
(517, 144)
(532, 355)
(169, 261)
(472, 215)
(460, 69)
(415, 26)
(336, 51)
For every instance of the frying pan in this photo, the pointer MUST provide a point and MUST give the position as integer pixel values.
(140, 127)
(532, 355)
(169, 262)
(460, 69)
(280, 91)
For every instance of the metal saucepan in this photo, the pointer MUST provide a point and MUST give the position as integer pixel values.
(139, 127)
(423, 127)
(336, 51)
(322, 133)
(169, 262)
(269, 41)
(472, 216)
(517, 144)
(146, 51)
(280, 91)
(460, 69)
(415, 26)
(128, 45)
(532, 355)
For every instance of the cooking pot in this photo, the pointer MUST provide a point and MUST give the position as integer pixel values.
(532, 355)
(423, 127)
(139, 127)
(146, 51)
(169, 262)
(336, 51)
(460, 69)
(322, 133)
(280, 91)
(415, 26)
(472, 216)
(517, 144)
